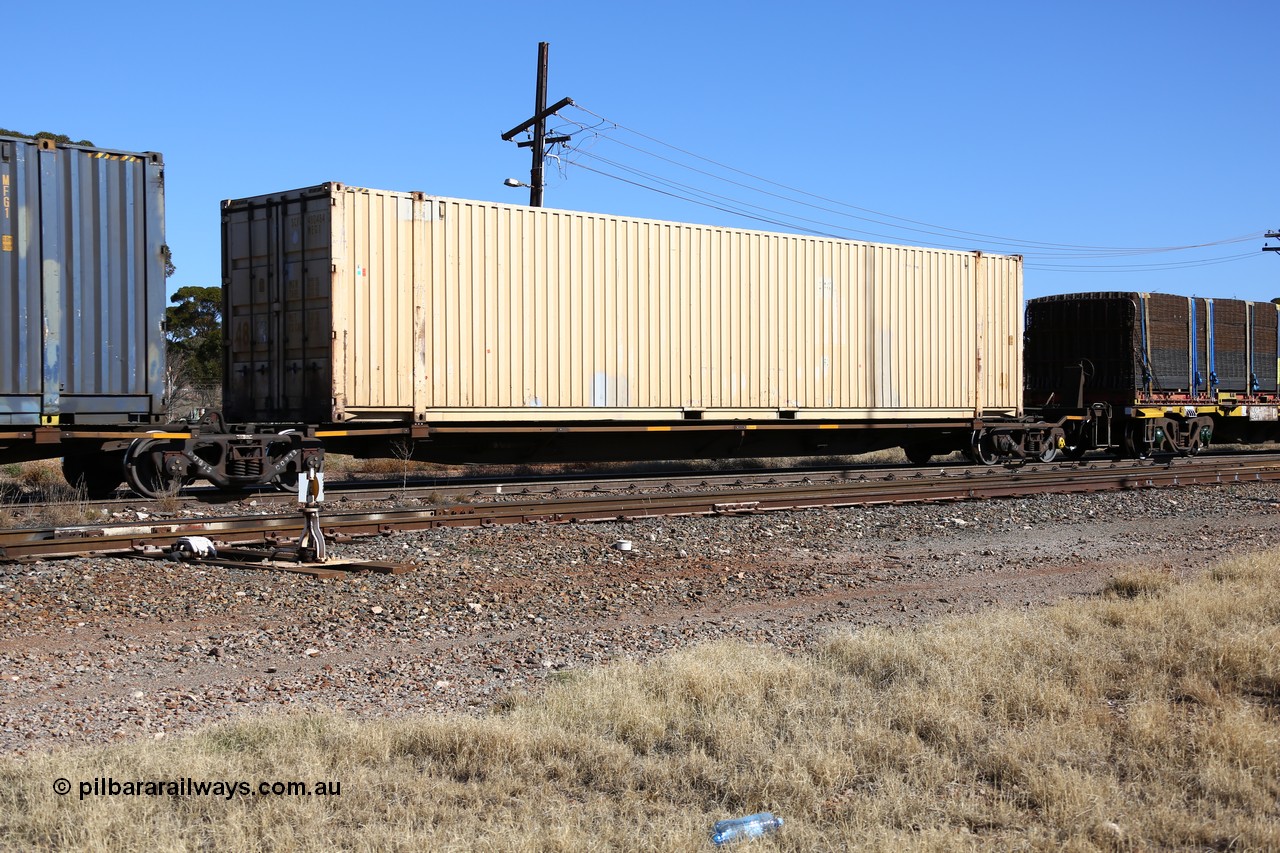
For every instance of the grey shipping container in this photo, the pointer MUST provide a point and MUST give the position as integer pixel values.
(82, 284)
(347, 304)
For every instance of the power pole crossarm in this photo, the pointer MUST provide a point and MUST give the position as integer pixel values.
(1272, 235)
(542, 116)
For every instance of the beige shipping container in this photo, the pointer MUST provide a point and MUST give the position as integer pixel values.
(349, 304)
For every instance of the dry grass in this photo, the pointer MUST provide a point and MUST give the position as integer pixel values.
(1146, 718)
(42, 483)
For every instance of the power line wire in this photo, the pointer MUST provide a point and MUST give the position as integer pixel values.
(728, 205)
(1105, 268)
(1031, 249)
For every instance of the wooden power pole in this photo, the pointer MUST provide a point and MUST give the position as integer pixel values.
(538, 123)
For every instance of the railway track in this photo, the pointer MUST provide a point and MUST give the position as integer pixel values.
(434, 488)
(507, 486)
(936, 484)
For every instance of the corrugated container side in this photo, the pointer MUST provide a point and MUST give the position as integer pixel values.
(1004, 324)
(1266, 343)
(82, 284)
(464, 310)
(1231, 343)
(21, 291)
(1168, 341)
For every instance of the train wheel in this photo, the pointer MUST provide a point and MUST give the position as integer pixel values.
(1075, 452)
(1202, 435)
(1053, 445)
(1135, 442)
(99, 474)
(983, 449)
(287, 480)
(145, 473)
(987, 453)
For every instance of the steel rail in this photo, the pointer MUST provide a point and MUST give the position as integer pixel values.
(924, 486)
(509, 487)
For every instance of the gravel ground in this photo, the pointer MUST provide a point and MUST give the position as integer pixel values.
(96, 650)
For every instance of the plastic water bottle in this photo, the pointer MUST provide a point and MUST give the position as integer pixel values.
(751, 826)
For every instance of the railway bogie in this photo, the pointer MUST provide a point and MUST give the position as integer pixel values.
(242, 456)
(161, 461)
(1015, 443)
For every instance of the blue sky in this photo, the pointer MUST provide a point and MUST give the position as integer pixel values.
(1118, 125)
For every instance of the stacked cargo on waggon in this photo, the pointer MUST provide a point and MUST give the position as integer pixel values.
(82, 299)
(1151, 371)
(483, 331)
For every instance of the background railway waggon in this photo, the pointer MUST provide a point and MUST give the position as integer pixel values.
(82, 299)
(82, 308)
(483, 331)
(1150, 371)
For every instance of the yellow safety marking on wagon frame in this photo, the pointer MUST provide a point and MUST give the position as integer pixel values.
(102, 155)
(50, 420)
(828, 426)
(658, 429)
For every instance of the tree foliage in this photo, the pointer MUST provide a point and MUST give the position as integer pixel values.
(44, 134)
(193, 328)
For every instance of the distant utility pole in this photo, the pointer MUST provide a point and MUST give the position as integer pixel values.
(538, 121)
(1271, 235)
